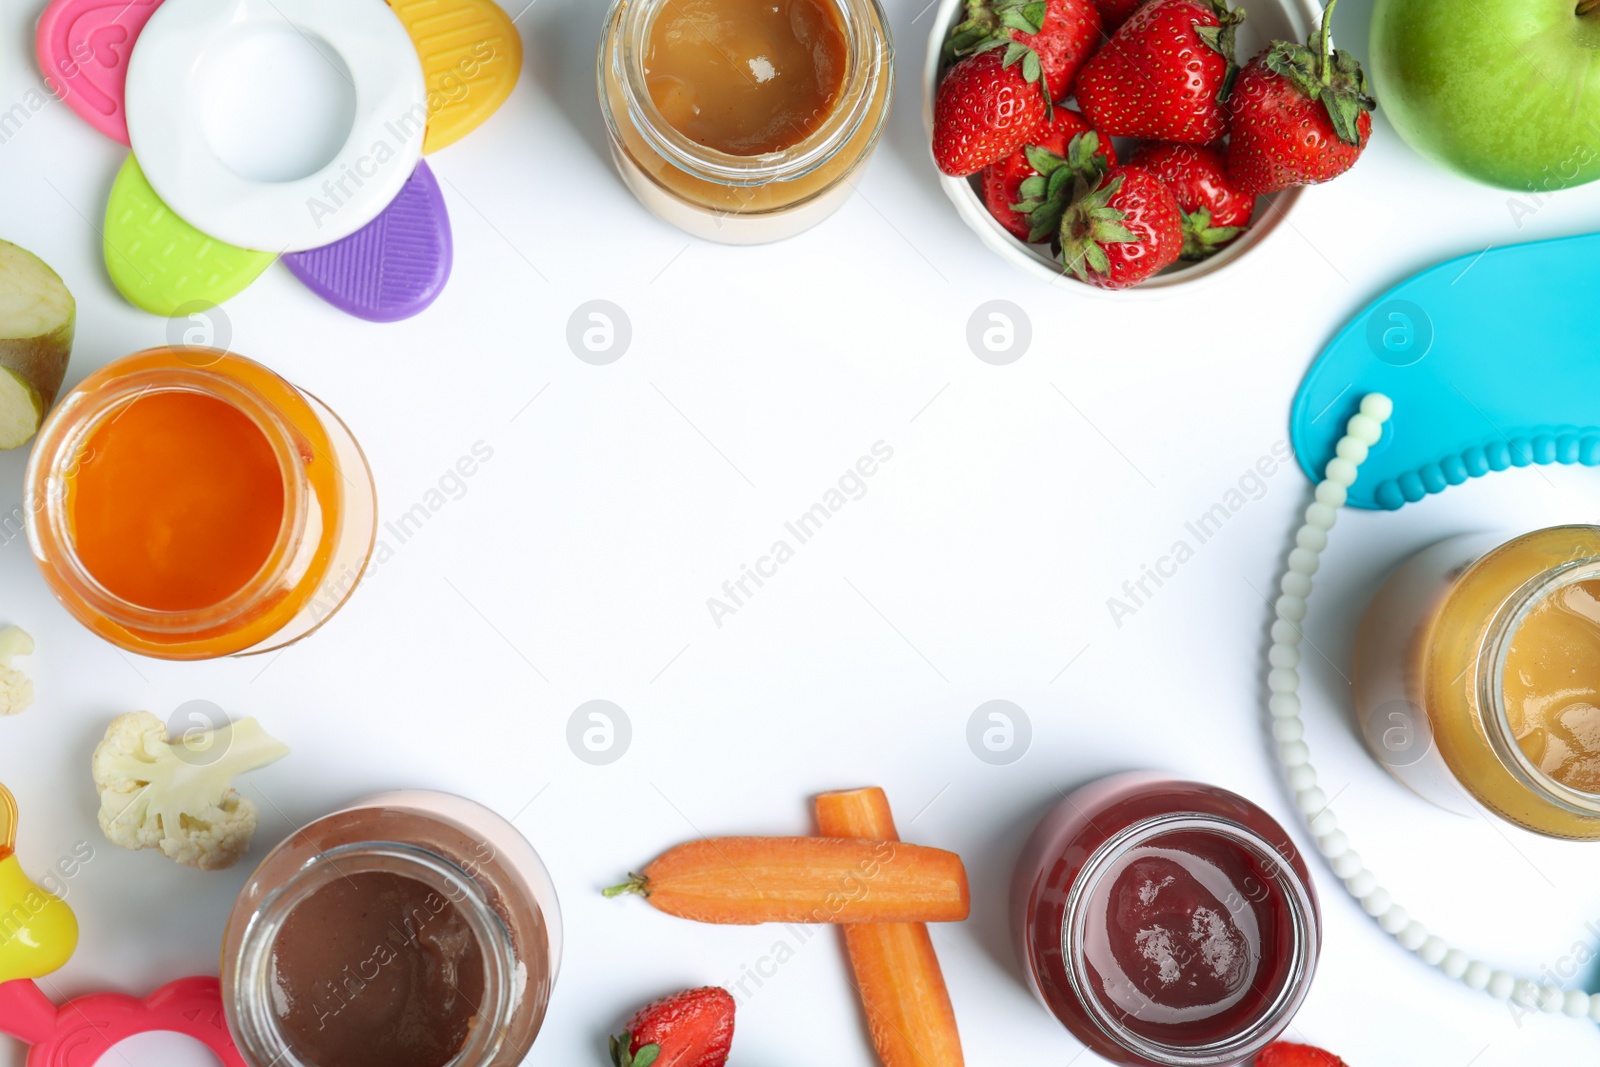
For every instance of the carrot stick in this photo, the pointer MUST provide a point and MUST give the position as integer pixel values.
(748, 880)
(902, 988)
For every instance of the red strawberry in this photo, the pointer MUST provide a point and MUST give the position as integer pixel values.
(1301, 115)
(1127, 230)
(1114, 13)
(985, 110)
(1165, 75)
(693, 1029)
(1069, 142)
(1214, 210)
(1284, 1054)
(1060, 35)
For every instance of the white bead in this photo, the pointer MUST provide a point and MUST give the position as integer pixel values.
(1377, 902)
(1456, 965)
(1303, 561)
(1310, 801)
(1364, 428)
(1288, 607)
(1345, 865)
(1284, 656)
(1341, 472)
(1594, 1009)
(1321, 516)
(1433, 950)
(1311, 538)
(1294, 753)
(1323, 822)
(1500, 985)
(1361, 883)
(1413, 936)
(1332, 494)
(1352, 448)
(1333, 845)
(1285, 632)
(1302, 776)
(1288, 729)
(1394, 920)
(1475, 974)
(1552, 999)
(1284, 705)
(1523, 991)
(1377, 406)
(1283, 680)
(1293, 583)
(1575, 1004)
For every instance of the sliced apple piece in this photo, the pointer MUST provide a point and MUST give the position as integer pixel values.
(37, 317)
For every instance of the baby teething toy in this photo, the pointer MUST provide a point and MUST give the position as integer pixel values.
(38, 937)
(1484, 363)
(367, 231)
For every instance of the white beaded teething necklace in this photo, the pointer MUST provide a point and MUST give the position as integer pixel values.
(1283, 680)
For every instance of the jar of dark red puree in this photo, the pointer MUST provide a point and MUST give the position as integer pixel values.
(1166, 923)
(414, 929)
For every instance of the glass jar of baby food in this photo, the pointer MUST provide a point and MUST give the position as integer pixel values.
(415, 929)
(187, 503)
(1165, 923)
(743, 121)
(1477, 677)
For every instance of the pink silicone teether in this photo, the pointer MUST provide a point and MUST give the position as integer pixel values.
(84, 47)
(80, 1032)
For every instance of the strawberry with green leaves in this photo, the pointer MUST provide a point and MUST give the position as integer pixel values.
(1287, 1054)
(984, 111)
(693, 1029)
(1166, 74)
(1016, 190)
(1215, 211)
(1302, 115)
(1050, 39)
(1125, 231)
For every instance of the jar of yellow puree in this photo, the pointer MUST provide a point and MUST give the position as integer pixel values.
(1477, 677)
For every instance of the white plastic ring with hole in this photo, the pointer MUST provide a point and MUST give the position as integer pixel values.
(165, 99)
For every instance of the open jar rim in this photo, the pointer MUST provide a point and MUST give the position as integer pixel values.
(1286, 999)
(261, 1037)
(1491, 683)
(868, 61)
(58, 452)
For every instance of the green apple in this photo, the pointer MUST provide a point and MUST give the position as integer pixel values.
(37, 316)
(1503, 91)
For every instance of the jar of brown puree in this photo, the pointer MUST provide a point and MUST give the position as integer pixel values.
(414, 929)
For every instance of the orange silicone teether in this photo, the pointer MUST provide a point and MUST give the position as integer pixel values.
(8, 823)
(471, 55)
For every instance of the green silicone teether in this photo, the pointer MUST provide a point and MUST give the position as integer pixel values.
(161, 263)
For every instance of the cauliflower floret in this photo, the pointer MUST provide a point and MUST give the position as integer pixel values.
(179, 797)
(16, 690)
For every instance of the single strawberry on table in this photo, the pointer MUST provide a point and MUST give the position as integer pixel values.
(692, 1029)
(1050, 38)
(985, 110)
(1302, 114)
(1215, 211)
(1068, 142)
(1126, 230)
(1166, 74)
(1287, 1054)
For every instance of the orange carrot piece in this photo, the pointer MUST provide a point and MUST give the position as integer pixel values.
(748, 880)
(897, 974)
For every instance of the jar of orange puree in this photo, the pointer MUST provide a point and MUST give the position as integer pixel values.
(742, 121)
(187, 503)
(1477, 677)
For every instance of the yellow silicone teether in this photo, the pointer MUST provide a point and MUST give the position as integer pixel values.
(471, 56)
(38, 932)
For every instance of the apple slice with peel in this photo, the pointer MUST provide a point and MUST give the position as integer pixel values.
(37, 315)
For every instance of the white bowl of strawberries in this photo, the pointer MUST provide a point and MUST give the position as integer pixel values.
(1137, 145)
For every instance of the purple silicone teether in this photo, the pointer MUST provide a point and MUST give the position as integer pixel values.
(393, 267)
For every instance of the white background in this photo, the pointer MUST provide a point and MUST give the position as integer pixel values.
(977, 567)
